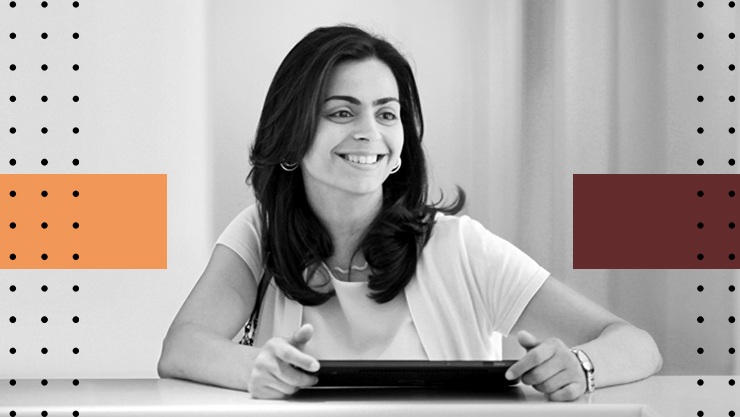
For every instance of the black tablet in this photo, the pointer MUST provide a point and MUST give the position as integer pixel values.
(382, 373)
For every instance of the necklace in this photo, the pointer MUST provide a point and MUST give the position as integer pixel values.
(352, 267)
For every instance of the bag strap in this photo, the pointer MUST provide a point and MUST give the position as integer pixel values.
(251, 326)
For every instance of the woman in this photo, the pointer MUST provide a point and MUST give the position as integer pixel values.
(361, 265)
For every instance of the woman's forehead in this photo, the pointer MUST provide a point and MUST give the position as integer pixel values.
(367, 79)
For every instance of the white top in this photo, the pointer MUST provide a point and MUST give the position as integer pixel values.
(469, 289)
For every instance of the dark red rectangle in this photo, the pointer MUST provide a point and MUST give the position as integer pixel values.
(637, 221)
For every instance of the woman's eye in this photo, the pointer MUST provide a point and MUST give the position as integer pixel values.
(341, 113)
(388, 116)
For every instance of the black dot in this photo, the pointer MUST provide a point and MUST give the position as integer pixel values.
(76, 130)
(700, 35)
(12, 225)
(44, 35)
(44, 288)
(75, 99)
(700, 130)
(44, 67)
(12, 288)
(44, 99)
(12, 382)
(700, 382)
(700, 351)
(700, 67)
(76, 4)
(732, 36)
(731, 382)
(12, 257)
(44, 351)
(44, 4)
(700, 413)
(700, 319)
(700, 162)
(75, 193)
(731, 319)
(732, 130)
(44, 256)
(700, 193)
(732, 162)
(732, 288)
(12, 4)
(12, 193)
(700, 256)
(731, 98)
(76, 35)
(731, 413)
(44, 383)
(732, 256)
(732, 194)
(12, 67)
(12, 162)
(12, 99)
(732, 351)
(700, 99)
(44, 162)
(12, 351)
(75, 256)
(44, 130)
(75, 162)
(732, 4)
(12, 130)
(75, 288)
(732, 67)
(12, 36)
(75, 351)
(12, 319)
(75, 382)
(44, 225)
(700, 288)
(75, 67)
(700, 4)
(75, 413)
(76, 225)
(732, 225)
(44, 194)
(700, 225)
(43, 413)
(44, 319)
(75, 319)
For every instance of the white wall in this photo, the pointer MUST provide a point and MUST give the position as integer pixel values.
(142, 110)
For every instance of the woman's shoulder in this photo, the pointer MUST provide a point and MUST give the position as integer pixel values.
(465, 231)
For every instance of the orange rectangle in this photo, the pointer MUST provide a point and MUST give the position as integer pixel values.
(87, 221)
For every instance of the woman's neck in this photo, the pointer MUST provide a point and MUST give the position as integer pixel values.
(346, 218)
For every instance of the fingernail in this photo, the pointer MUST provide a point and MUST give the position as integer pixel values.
(314, 367)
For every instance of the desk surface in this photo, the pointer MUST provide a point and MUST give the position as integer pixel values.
(655, 396)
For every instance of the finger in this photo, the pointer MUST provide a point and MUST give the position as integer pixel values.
(291, 355)
(295, 377)
(569, 392)
(527, 340)
(267, 393)
(545, 371)
(281, 386)
(534, 357)
(302, 336)
(555, 383)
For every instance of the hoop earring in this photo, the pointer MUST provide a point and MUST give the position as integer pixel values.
(397, 167)
(288, 167)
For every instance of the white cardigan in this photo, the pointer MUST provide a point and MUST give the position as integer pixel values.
(469, 289)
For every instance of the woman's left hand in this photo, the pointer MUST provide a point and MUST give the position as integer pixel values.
(550, 367)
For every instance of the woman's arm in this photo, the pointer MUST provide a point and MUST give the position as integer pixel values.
(560, 318)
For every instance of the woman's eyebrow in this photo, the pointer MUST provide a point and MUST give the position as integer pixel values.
(355, 101)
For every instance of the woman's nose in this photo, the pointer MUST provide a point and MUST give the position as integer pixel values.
(367, 129)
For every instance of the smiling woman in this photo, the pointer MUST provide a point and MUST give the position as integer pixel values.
(364, 266)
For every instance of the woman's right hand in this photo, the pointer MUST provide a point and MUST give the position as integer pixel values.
(278, 369)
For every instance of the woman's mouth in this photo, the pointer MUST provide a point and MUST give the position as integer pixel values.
(362, 159)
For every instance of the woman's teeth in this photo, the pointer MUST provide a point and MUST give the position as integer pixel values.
(362, 159)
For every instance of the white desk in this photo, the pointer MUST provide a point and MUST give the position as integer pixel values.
(656, 396)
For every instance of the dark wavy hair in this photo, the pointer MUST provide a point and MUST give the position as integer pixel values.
(293, 239)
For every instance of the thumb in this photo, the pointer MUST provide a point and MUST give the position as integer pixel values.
(302, 336)
(527, 340)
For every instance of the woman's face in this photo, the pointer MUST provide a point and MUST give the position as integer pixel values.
(359, 136)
